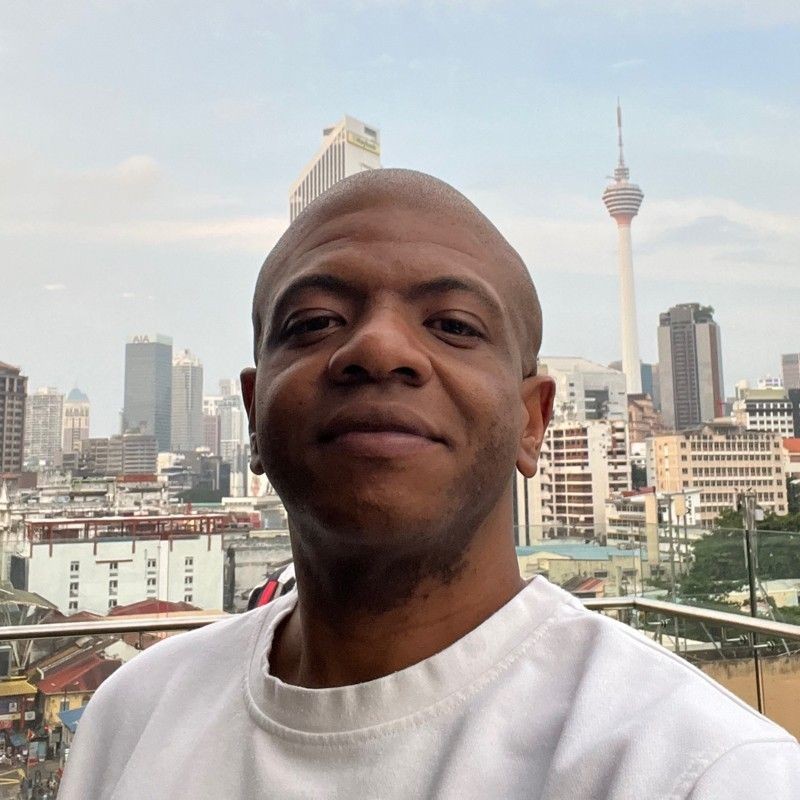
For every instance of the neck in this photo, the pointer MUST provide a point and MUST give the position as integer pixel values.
(333, 640)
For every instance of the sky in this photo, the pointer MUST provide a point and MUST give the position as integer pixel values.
(148, 147)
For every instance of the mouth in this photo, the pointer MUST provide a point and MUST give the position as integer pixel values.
(380, 433)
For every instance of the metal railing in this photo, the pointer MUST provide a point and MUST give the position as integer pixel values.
(755, 627)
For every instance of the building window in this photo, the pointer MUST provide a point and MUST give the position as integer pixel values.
(74, 566)
(151, 581)
(188, 561)
(73, 605)
(151, 563)
(188, 580)
(64, 705)
(113, 566)
(112, 587)
(112, 602)
(73, 590)
(187, 598)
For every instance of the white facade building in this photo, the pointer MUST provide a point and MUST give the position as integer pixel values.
(580, 466)
(349, 147)
(43, 424)
(585, 390)
(97, 573)
(767, 409)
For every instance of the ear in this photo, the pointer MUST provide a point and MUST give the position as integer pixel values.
(248, 378)
(537, 394)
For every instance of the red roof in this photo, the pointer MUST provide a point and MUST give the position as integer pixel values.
(85, 675)
(150, 607)
(792, 445)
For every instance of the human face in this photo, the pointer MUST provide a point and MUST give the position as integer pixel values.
(386, 402)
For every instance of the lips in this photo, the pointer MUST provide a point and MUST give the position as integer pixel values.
(380, 432)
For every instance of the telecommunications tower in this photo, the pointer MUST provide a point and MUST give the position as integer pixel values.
(622, 199)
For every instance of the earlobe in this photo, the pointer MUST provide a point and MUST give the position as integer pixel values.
(248, 378)
(537, 394)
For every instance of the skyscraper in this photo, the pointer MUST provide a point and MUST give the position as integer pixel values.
(43, 421)
(76, 421)
(187, 402)
(623, 199)
(790, 370)
(347, 148)
(13, 391)
(148, 387)
(690, 365)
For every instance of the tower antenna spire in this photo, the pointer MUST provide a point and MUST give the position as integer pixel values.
(619, 134)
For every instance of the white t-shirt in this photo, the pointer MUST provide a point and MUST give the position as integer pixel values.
(543, 700)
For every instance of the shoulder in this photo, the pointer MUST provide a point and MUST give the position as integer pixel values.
(636, 695)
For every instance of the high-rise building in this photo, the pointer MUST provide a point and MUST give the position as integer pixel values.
(43, 421)
(148, 387)
(690, 366)
(76, 421)
(347, 148)
(580, 466)
(585, 390)
(13, 391)
(790, 370)
(722, 460)
(187, 402)
(623, 199)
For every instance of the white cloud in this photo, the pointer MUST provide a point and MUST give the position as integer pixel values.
(696, 239)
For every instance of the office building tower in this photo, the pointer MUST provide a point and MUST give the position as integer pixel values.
(722, 460)
(43, 421)
(585, 390)
(13, 392)
(790, 370)
(349, 147)
(794, 399)
(187, 402)
(75, 425)
(690, 366)
(623, 199)
(211, 433)
(148, 387)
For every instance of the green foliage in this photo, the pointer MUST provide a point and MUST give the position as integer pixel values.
(719, 559)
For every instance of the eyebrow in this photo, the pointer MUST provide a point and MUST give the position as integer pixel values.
(446, 284)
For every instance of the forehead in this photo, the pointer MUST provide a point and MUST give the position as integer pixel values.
(396, 244)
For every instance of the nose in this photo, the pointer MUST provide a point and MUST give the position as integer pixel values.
(383, 347)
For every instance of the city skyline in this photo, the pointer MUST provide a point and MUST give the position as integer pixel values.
(162, 223)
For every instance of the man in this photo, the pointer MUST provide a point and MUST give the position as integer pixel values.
(394, 392)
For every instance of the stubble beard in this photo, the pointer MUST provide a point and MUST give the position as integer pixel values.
(363, 571)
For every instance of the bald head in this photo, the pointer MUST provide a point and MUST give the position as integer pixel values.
(416, 192)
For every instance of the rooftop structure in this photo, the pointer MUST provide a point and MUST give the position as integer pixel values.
(623, 199)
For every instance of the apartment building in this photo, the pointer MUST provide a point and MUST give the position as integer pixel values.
(580, 466)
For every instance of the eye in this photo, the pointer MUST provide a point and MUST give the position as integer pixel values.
(454, 327)
(311, 325)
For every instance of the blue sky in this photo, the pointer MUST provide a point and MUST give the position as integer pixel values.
(148, 148)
